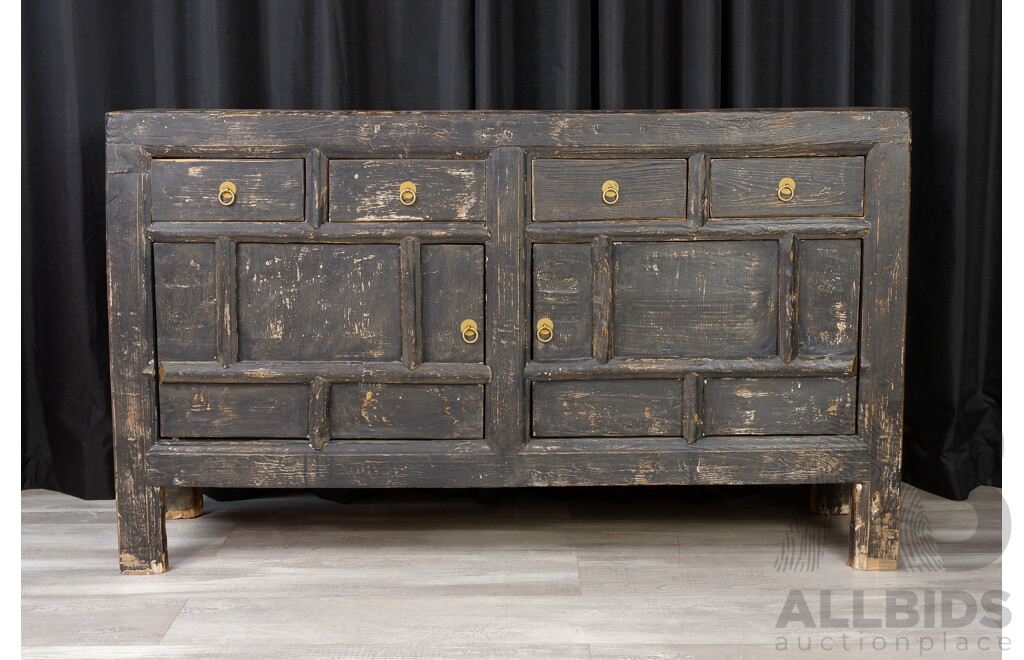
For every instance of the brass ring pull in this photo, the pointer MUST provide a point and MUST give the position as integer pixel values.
(545, 330)
(469, 331)
(609, 192)
(787, 189)
(407, 193)
(226, 195)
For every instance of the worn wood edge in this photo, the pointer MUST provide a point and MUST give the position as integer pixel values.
(680, 367)
(319, 412)
(602, 290)
(334, 372)
(226, 276)
(332, 232)
(692, 129)
(788, 298)
(712, 461)
(411, 297)
(659, 230)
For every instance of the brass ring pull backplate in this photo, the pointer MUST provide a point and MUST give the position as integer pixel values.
(787, 189)
(407, 193)
(609, 192)
(470, 334)
(226, 195)
(545, 330)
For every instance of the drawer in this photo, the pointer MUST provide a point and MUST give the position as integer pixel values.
(780, 406)
(264, 189)
(441, 190)
(644, 189)
(756, 187)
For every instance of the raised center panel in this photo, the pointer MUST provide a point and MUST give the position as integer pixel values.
(318, 302)
(699, 299)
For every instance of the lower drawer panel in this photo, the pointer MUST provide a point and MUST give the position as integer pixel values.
(780, 406)
(415, 412)
(607, 408)
(263, 410)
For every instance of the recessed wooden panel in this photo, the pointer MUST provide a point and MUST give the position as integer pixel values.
(700, 299)
(184, 287)
(318, 302)
(828, 307)
(565, 189)
(241, 410)
(607, 408)
(780, 406)
(562, 292)
(749, 187)
(415, 412)
(453, 291)
(266, 189)
(368, 190)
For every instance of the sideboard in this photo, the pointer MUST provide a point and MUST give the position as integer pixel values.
(486, 299)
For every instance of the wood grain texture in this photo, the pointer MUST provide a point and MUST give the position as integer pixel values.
(824, 186)
(319, 412)
(827, 131)
(875, 519)
(829, 303)
(562, 292)
(227, 300)
(267, 189)
(411, 300)
(564, 409)
(335, 232)
(422, 412)
(565, 189)
(601, 255)
(679, 367)
(698, 185)
(367, 190)
(471, 463)
(318, 302)
(787, 298)
(678, 230)
(831, 499)
(693, 407)
(234, 411)
(142, 539)
(703, 299)
(780, 406)
(453, 291)
(506, 404)
(336, 371)
(186, 301)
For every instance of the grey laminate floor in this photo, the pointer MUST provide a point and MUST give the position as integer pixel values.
(590, 573)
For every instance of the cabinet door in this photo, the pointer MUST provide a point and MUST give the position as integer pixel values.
(652, 338)
(291, 340)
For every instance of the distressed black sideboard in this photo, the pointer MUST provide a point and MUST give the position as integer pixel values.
(484, 299)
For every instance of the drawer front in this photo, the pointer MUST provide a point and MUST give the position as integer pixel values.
(646, 189)
(264, 190)
(753, 187)
(780, 406)
(372, 190)
(418, 412)
(607, 408)
(237, 410)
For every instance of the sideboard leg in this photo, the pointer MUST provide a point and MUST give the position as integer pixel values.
(830, 499)
(142, 538)
(182, 502)
(874, 526)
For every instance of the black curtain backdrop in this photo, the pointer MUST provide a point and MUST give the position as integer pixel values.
(941, 58)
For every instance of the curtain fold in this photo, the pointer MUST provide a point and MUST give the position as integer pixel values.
(940, 58)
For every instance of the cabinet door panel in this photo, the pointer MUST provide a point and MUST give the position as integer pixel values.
(828, 308)
(699, 299)
(453, 291)
(318, 302)
(780, 406)
(562, 285)
(237, 410)
(417, 412)
(185, 292)
(607, 408)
